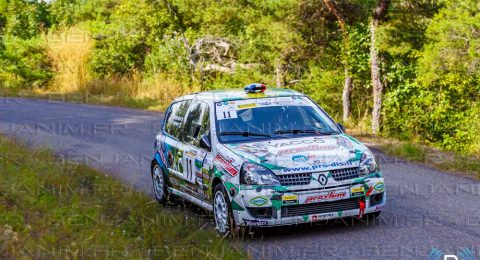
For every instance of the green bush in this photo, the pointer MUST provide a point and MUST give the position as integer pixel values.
(24, 63)
(441, 105)
(25, 19)
(117, 54)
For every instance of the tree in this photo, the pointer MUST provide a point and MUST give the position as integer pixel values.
(347, 87)
(24, 19)
(378, 16)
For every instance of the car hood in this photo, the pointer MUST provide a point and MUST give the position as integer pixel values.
(307, 154)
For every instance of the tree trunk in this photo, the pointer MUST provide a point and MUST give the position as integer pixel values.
(376, 82)
(347, 90)
(176, 18)
(379, 14)
(278, 73)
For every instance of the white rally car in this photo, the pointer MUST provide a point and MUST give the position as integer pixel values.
(262, 157)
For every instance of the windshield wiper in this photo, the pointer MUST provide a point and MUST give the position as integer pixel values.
(329, 133)
(246, 134)
(299, 131)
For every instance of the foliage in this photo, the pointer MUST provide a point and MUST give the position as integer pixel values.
(122, 44)
(24, 63)
(25, 19)
(429, 51)
(440, 102)
(66, 13)
(117, 54)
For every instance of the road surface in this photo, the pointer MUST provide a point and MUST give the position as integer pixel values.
(426, 208)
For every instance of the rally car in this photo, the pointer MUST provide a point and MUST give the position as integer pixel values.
(263, 157)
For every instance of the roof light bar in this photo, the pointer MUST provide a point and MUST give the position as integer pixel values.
(255, 88)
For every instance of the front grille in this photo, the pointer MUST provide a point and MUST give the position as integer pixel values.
(319, 208)
(295, 179)
(345, 174)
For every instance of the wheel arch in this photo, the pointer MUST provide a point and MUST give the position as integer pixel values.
(216, 181)
(163, 169)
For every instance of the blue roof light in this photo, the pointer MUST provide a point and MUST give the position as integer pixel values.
(255, 88)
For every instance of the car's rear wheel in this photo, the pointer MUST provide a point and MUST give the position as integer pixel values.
(222, 211)
(159, 185)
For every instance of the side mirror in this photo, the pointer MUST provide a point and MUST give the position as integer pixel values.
(205, 142)
(341, 127)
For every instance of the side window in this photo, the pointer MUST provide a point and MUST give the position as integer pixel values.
(197, 123)
(174, 121)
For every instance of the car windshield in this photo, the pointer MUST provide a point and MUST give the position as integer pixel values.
(270, 118)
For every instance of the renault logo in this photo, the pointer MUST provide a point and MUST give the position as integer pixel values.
(322, 179)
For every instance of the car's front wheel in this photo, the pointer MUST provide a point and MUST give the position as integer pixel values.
(222, 211)
(159, 185)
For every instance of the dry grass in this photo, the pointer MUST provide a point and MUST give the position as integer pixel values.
(69, 50)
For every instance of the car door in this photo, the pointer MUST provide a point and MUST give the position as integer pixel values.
(197, 124)
(173, 131)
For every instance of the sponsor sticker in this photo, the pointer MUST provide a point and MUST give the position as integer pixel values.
(246, 106)
(358, 190)
(191, 153)
(296, 142)
(290, 199)
(309, 148)
(174, 181)
(332, 195)
(259, 201)
(342, 141)
(322, 216)
(226, 165)
(380, 186)
(198, 164)
(255, 223)
(162, 157)
(299, 158)
(318, 166)
(225, 103)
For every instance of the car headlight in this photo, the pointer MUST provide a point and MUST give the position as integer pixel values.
(367, 163)
(254, 174)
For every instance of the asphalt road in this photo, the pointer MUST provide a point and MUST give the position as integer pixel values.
(426, 208)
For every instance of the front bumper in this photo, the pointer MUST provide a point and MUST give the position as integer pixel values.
(262, 206)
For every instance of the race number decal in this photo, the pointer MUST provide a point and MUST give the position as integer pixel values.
(226, 114)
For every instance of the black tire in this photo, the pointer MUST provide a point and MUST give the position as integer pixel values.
(159, 184)
(224, 222)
